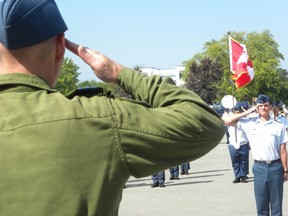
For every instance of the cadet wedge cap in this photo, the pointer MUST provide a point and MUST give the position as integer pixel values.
(28, 22)
(262, 99)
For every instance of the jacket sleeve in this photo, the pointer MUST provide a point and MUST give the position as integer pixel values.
(175, 125)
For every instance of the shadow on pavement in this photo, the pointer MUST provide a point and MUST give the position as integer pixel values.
(193, 175)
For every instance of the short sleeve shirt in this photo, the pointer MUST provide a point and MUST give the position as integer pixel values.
(282, 120)
(236, 136)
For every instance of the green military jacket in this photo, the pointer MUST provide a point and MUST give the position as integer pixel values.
(71, 156)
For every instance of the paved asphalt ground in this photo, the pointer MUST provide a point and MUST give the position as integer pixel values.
(207, 191)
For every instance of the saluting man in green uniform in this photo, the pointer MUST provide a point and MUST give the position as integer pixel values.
(72, 155)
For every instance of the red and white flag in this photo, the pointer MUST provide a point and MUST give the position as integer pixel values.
(240, 64)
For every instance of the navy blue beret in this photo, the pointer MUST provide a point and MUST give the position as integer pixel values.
(28, 22)
(262, 99)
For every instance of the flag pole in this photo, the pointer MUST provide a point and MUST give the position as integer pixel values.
(233, 85)
(230, 60)
(240, 64)
(231, 70)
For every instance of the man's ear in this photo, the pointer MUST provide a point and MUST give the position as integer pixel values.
(60, 48)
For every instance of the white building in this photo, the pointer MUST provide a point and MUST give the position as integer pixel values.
(174, 73)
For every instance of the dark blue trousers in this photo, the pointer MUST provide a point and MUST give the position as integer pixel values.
(158, 177)
(268, 188)
(185, 167)
(174, 171)
(240, 159)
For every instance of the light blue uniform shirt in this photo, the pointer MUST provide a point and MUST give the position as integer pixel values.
(265, 137)
(237, 137)
(282, 120)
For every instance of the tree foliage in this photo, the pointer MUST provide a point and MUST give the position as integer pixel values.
(68, 80)
(114, 89)
(69, 76)
(203, 78)
(263, 50)
(92, 83)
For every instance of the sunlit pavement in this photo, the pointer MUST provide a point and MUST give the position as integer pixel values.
(207, 191)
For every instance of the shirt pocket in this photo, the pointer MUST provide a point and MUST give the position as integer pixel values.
(272, 137)
(255, 132)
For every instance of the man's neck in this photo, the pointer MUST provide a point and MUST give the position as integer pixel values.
(265, 118)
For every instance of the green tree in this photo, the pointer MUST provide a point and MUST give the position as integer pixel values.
(283, 84)
(69, 76)
(264, 53)
(105, 86)
(266, 58)
(114, 89)
(203, 79)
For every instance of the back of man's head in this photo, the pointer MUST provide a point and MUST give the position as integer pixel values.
(28, 22)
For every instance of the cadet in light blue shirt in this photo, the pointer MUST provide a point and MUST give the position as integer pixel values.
(267, 139)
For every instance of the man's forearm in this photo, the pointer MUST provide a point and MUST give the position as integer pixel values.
(231, 120)
(283, 156)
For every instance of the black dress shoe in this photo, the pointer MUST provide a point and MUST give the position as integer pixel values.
(162, 185)
(243, 179)
(177, 178)
(155, 185)
(171, 178)
(236, 180)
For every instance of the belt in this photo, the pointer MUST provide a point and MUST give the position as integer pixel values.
(267, 162)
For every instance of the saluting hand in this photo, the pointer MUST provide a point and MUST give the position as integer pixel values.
(253, 108)
(103, 67)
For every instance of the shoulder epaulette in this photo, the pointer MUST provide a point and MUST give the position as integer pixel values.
(87, 92)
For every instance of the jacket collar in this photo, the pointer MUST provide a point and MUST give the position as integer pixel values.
(19, 81)
(270, 120)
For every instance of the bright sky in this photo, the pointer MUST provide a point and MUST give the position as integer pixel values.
(164, 33)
